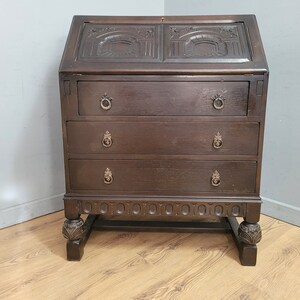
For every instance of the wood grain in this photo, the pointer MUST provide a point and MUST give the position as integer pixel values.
(161, 176)
(163, 138)
(156, 99)
(140, 266)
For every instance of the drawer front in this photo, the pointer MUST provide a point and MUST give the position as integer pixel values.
(162, 176)
(186, 138)
(162, 98)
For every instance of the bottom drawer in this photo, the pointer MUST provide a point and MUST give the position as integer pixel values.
(162, 176)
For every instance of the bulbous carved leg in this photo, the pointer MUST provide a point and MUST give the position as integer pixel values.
(246, 236)
(249, 233)
(77, 232)
(73, 229)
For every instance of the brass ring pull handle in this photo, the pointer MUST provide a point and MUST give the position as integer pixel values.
(217, 142)
(107, 139)
(105, 102)
(218, 102)
(215, 178)
(108, 177)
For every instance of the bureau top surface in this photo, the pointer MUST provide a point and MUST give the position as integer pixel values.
(164, 45)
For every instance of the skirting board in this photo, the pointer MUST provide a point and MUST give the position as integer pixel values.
(282, 211)
(27, 211)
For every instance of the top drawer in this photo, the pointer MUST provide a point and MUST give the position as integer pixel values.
(162, 98)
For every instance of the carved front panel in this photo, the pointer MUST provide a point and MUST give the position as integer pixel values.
(119, 42)
(198, 42)
(207, 43)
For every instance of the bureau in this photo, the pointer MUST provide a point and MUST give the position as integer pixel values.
(163, 121)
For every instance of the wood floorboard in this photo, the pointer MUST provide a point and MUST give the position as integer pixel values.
(147, 265)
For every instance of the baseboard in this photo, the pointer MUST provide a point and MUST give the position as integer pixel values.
(27, 211)
(282, 211)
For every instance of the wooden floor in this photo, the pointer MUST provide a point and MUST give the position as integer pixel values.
(120, 265)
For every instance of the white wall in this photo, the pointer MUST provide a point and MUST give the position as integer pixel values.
(279, 24)
(33, 34)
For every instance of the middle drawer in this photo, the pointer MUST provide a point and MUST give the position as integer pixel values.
(185, 138)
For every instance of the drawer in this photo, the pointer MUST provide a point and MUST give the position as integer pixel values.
(162, 98)
(162, 176)
(186, 138)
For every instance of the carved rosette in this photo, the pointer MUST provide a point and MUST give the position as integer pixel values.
(73, 229)
(249, 233)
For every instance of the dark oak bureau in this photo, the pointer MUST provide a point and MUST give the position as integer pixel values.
(163, 121)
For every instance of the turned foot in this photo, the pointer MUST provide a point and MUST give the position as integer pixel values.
(77, 232)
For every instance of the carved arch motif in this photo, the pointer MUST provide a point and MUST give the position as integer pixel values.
(205, 45)
(119, 42)
(118, 45)
(207, 42)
